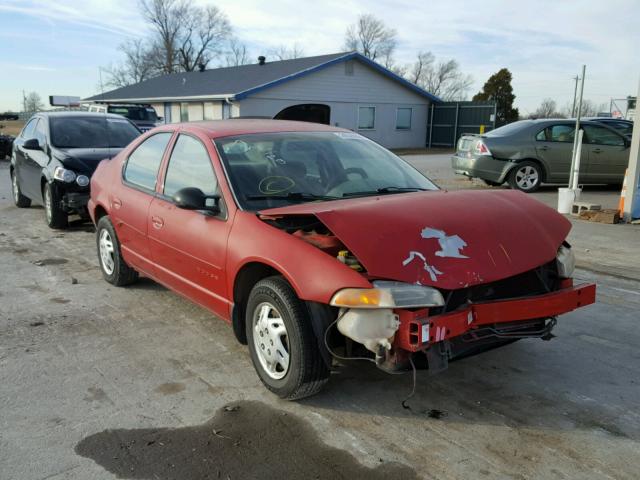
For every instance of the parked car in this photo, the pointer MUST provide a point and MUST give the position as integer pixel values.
(55, 155)
(529, 152)
(6, 143)
(623, 126)
(311, 240)
(142, 115)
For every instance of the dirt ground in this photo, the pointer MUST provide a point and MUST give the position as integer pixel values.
(11, 127)
(98, 382)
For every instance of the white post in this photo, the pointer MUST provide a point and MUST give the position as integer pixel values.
(576, 166)
(575, 136)
(632, 201)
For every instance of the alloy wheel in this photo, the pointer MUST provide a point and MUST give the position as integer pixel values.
(271, 340)
(47, 203)
(107, 257)
(527, 177)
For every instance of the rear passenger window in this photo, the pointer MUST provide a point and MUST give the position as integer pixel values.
(143, 164)
(556, 133)
(189, 166)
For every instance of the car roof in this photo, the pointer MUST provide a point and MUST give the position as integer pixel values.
(67, 114)
(241, 126)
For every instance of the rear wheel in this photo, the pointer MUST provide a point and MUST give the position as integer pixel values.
(526, 177)
(114, 269)
(56, 217)
(283, 347)
(20, 200)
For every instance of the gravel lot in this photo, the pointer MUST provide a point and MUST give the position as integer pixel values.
(99, 382)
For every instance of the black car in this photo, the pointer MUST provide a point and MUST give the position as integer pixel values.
(55, 155)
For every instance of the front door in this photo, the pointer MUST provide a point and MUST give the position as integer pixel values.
(554, 146)
(608, 154)
(22, 157)
(189, 247)
(34, 162)
(131, 200)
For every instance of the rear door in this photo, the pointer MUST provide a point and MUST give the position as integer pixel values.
(35, 161)
(189, 247)
(22, 155)
(608, 153)
(130, 202)
(554, 146)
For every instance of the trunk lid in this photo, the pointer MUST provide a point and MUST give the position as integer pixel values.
(449, 240)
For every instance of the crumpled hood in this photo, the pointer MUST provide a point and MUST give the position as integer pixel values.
(449, 240)
(84, 160)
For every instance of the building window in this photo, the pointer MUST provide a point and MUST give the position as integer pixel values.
(184, 112)
(366, 118)
(403, 119)
(348, 69)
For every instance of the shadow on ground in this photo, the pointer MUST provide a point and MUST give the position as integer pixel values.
(245, 440)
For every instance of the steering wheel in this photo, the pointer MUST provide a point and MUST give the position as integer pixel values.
(357, 170)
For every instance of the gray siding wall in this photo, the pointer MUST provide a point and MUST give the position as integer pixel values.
(345, 93)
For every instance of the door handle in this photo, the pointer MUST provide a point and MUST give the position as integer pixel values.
(116, 203)
(596, 150)
(158, 222)
(544, 148)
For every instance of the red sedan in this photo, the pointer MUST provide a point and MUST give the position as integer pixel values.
(315, 242)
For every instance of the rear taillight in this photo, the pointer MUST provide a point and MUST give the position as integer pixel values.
(481, 148)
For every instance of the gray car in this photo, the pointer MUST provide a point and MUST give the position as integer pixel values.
(529, 152)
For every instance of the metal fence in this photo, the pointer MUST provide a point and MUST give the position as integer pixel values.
(449, 120)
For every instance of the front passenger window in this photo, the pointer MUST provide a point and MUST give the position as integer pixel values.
(143, 164)
(189, 166)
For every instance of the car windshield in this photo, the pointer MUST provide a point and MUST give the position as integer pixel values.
(144, 114)
(92, 132)
(276, 169)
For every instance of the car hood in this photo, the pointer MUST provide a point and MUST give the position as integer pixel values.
(449, 240)
(84, 160)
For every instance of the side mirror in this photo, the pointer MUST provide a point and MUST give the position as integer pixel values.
(192, 198)
(32, 144)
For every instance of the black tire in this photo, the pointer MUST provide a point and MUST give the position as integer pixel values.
(526, 176)
(120, 274)
(55, 216)
(18, 199)
(307, 372)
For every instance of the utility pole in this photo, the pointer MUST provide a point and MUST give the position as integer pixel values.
(632, 200)
(575, 133)
(575, 92)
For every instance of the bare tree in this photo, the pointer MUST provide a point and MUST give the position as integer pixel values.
(589, 109)
(32, 102)
(547, 109)
(236, 54)
(282, 52)
(443, 79)
(166, 18)
(203, 32)
(372, 38)
(136, 67)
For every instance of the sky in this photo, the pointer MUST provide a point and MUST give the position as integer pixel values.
(57, 47)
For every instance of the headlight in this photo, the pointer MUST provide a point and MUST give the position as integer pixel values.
(566, 261)
(82, 180)
(388, 295)
(64, 175)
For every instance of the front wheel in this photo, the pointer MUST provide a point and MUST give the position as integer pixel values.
(20, 200)
(283, 347)
(55, 215)
(526, 177)
(114, 269)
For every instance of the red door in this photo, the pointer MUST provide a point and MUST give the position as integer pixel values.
(131, 200)
(189, 247)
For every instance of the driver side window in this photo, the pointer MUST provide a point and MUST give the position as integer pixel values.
(189, 166)
(27, 131)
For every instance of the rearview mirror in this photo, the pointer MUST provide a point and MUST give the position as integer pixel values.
(32, 144)
(192, 198)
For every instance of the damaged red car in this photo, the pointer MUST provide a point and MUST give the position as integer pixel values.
(314, 242)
